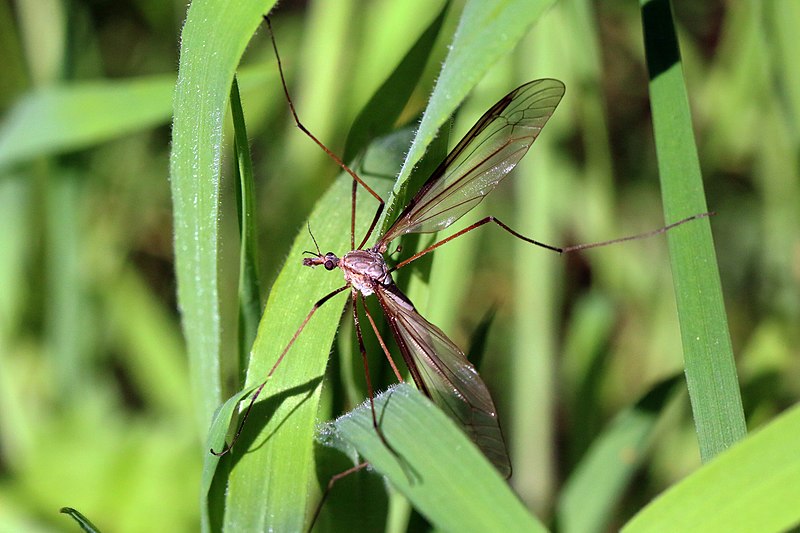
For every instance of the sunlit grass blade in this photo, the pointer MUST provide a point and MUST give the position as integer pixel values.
(474, 50)
(274, 457)
(438, 468)
(279, 467)
(754, 486)
(212, 42)
(282, 472)
(708, 355)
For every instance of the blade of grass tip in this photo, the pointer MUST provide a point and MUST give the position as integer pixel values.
(249, 285)
(211, 504)
(593, 491)
(474, 50)
(82, 521)
(212, 42)
(58, 119)
(708, 355)
(753, 486)
(437, 467)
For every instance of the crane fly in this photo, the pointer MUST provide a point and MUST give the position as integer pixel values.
(477, 164)
(485, 155)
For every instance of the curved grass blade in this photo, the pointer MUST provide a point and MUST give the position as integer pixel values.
(81, 114)
(753, 486)
(59, 119)
(82, 521)
(215, 440)
(475, 48)
(273, 466)
(439, 469)
(273, 459)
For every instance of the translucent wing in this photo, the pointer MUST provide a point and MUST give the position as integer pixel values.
(485, 155)
(444, 374)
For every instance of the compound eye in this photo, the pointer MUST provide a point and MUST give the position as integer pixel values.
(329, 265)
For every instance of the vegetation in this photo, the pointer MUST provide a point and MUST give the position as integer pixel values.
(122, 329)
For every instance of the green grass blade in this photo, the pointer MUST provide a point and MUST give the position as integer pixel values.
(64, 118)
(474, 50)
(754, 486)
(281, 472)
(268, 485)
(249, 284)
(212, 42)
(59, 119)
(595, 488)
(216, 441)
(708, 355)
(439, 469)
(82, 521)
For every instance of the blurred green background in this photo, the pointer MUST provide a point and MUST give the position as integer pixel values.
(95, 405)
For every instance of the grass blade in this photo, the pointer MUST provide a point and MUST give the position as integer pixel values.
(82, 521)
(59, 119)
(475, 49)
(754, 486)
(249, 284)
(439, 469)
(708, 355)
(212, 42)
(594, 490)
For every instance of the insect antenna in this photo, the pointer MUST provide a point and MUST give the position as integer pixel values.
(319, 252)
(329, 488)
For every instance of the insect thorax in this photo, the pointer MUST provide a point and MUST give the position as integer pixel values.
(362, 269)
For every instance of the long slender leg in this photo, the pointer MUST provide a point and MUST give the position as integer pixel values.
(383, 344)
(354, 190)
(558, 249)
(331, 482)
(341, 475)
(363, 350)
(255, 395)
(327, 150)
(644, 235)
